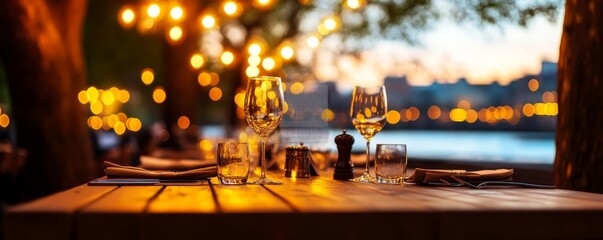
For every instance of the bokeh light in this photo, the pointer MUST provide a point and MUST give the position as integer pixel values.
(227, 57)
(208, 21)
(175, 34)
(393, 117)
(533, 85)
(159, 95)
(4, 120)
(215, 94)
(147, 76)
(127, 17)
(184, 122)
(197, 61)
(204, 79)
(153, 10)
(268, 64)
(177, 13)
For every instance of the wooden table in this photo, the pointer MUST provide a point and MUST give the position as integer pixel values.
(315, 208)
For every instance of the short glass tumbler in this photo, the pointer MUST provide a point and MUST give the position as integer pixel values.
(390, 163)
(233, 163)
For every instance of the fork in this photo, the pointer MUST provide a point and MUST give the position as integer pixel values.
(501, 183)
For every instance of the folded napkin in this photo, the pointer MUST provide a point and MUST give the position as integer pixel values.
(155, 163)
(425, 176)
(113, 170)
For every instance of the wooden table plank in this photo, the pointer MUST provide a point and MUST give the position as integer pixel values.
(333, 209)
(118, 215)
(184, 199)
(320, 194)
(192, 208)
(49, 217)
(247, 199)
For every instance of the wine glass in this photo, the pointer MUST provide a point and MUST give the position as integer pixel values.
(263, 112)
(368, 111)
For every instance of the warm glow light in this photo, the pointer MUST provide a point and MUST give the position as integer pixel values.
(176, 13)
(252, 71)
(254, 60)
(204, 79)
(268, 63)
(215, 94)
(541, 109)
(147, 76)
(393, 117)
(176, 33)
(239, 99)
(95, 122)
(4, 120)
(92, 94)
(108, 97)
(146, 25)
(464, 104)
(215, 79)
(458, 115)
(533, 85)
(127, 17)
(471, 116)
(327, 115)
(206, 145)
(159, 95)
(96, 107)
(230, 8)
(330, 23)
(184, 122)
(287, 52)
(354, 4)
(263, 4)
(254, 49)
(227, 57)
(415, 113)
(122, 117)
(208, 21)
(153, 10)
(82, 97)
(123, 96)
(313, 41)
(133, 124)
(322, 30)
(119, 128)
(297, 88)
(197, 61)
(548, 97)
(434, 112)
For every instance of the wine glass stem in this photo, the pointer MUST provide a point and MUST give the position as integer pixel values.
(368, 156)
(263, 157)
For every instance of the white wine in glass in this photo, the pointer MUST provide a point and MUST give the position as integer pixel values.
(368, 111)
(263, 112)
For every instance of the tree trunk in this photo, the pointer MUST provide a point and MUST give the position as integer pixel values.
(579, 158)
(41, 53)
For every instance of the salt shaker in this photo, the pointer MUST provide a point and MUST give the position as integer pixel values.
(344, 168)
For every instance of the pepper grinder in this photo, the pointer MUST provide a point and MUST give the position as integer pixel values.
(344, 168)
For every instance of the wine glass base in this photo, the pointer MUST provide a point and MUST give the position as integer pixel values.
(365, 178)
(265, 181)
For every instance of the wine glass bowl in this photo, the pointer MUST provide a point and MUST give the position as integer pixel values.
(368, 111)
(263, 113)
